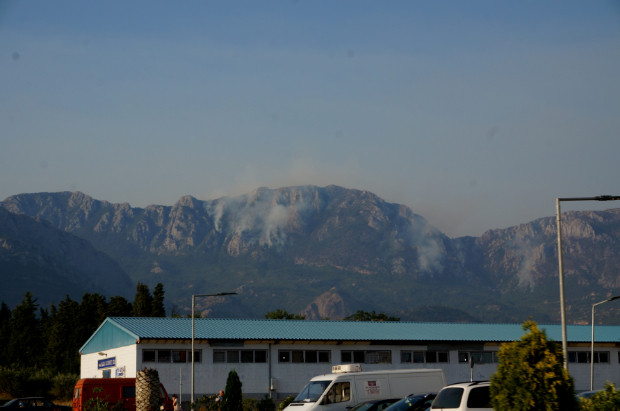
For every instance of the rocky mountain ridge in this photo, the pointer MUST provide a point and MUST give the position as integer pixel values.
(317, 238)
(52, 262)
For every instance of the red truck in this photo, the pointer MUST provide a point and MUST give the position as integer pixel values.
(116, 390)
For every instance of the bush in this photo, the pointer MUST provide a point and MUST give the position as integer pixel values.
(606, 400)
(63, 385)
(266, 404)
(25, 382)
(285, 403)
(206, 403)
(249, 404)
(531, 376)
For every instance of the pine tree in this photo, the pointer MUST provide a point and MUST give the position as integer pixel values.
(119, 307)
(5, 332)
(158, 309)
(233, 396)
(531, 377)
(143, 303)
(64, 340)
(25, 346)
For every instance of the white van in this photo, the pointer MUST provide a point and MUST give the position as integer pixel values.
(347, 386)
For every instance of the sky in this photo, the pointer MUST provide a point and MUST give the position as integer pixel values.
(475, 114)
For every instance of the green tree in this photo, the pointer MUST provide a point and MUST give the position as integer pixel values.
(25, 346)
(143, 302)
(531, 376)
(5, 332)
(63, 341)
(197, 314)
(158, 301)
(119, 307)
(369, 316)
(606, 400)
(280, 314)
(233, 396)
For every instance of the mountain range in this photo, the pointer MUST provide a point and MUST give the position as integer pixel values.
(329, 251)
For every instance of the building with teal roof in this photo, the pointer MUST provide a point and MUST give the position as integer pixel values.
(282, 355)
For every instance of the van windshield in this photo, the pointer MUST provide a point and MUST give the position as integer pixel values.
(313, 391)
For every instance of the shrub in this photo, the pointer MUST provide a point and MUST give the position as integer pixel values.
(285, 403)
(606, 400)
(266, 404)
(249, 404)
(25, 382)
(531, 377)
(63, 385)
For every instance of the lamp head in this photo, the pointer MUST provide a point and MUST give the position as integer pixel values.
(218, 294)
(614, 298)
(606, 198)
(102, 353)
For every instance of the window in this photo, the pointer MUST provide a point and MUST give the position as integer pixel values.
(420, 357)
(479, 357)
(129, 392)
(170, 356)
(78, 391)
(583, 357)
(304, 356)
(479, 398)
(148, 355)
(179, 356)
(243, 356)
(366, 357)
(339, 392)
(107, 373)
(164, 355)
(232, 356)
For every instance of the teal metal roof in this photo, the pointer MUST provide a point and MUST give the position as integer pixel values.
(109, 335)
(233, 329)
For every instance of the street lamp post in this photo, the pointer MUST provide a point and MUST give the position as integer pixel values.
(592, 346)
(192, 399)
(560, 263)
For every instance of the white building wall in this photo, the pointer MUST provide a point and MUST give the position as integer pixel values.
(291, 377)
(125, 357)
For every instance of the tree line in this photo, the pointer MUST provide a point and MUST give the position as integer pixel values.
(49, 338)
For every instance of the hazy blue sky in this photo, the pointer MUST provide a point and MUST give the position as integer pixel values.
(476, 114)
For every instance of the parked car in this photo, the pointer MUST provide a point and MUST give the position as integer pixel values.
(375, 405)
(586, 394)
(33, 404)
(414, 403)
(464, 396)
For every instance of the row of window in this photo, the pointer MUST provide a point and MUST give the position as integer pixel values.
(171, 356)
(347, 357)
(584, 357)
(417, 357)
(235, 356)
(305, 356)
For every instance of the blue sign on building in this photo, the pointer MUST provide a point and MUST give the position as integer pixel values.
(107, 363)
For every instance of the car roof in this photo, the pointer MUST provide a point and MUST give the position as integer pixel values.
(375, 401)
(468, 384)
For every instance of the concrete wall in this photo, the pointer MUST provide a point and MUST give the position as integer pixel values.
(125, 357)
(290, 378)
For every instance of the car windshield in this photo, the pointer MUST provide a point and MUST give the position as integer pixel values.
(312, 392)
